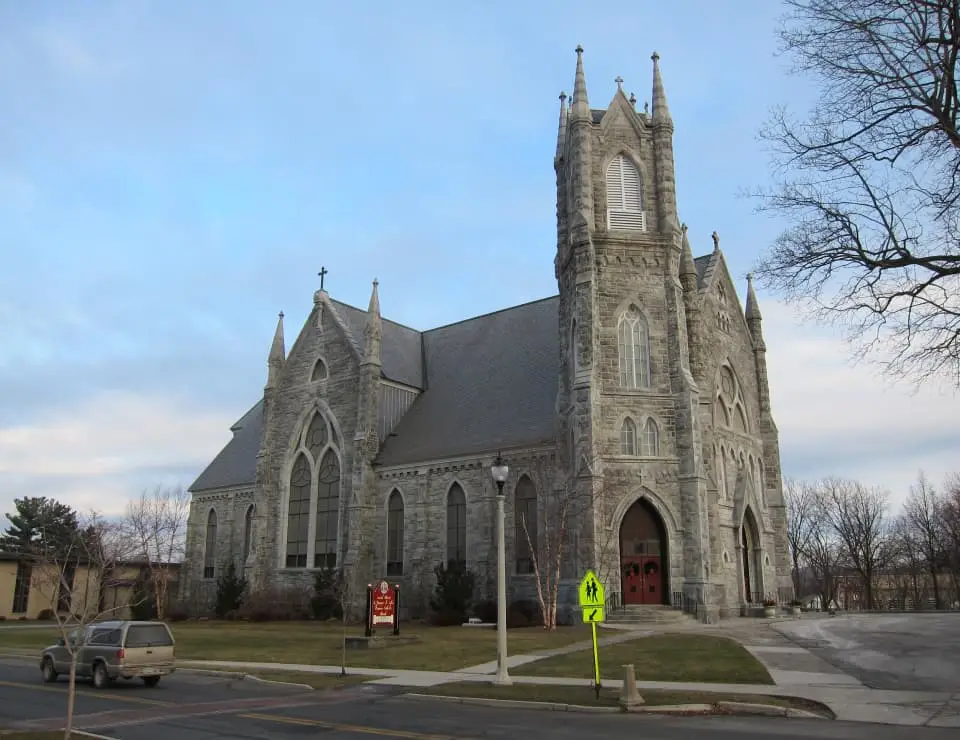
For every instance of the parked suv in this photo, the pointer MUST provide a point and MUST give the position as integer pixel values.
(115, 649)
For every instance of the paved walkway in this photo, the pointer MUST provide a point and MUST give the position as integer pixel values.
(795, 671)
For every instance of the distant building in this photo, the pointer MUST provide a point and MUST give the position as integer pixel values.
(641, 388)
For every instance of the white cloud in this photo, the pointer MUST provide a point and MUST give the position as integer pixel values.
(107, 448)
(840, 418)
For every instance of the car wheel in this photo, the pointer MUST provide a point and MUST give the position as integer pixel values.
(100, 678)
(151, 681)
(48, 671)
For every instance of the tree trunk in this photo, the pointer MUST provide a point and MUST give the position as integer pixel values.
(71, 696)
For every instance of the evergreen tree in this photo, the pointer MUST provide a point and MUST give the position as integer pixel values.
(38, 525)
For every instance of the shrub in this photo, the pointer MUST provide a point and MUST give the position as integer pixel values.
(454, 591)
(327, 588)
(769, 602)
(230, 588)
(46, 615)
(143, 602)
(177, 613)
(523, 613)
(275, 604)
(485, 611)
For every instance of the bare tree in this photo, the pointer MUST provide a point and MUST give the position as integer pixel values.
(549, 544)
(156, 523)
(96, 550)
(950, 512)
(871, 179)
(858, 517)
(923, 512)
(800, 499)
(822, 552)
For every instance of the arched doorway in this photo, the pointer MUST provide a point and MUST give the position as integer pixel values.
(643, 555)
(750, 559)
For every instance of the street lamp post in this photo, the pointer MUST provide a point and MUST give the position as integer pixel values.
(499, 470)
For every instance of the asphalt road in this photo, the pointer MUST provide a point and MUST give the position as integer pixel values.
(910, 652)
(192, 707)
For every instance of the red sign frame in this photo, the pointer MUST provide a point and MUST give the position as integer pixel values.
(383, 606)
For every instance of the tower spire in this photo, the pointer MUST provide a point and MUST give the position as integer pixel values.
(688, 268)
(580, 104)
(661, 113)
(752, 309)
(372, 330)
(562, 130)
(278, 354)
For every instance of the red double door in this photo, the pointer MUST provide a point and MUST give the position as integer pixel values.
(642, 579)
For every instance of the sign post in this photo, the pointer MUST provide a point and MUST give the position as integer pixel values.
(592, 602)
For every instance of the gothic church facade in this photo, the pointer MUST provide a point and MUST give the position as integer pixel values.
(633, 407)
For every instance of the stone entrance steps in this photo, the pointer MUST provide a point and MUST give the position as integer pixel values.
(642, 614)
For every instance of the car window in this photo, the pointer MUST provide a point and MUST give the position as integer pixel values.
(109, 637)
(148, 635)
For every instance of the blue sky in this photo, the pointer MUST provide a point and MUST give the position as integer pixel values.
(174, 174)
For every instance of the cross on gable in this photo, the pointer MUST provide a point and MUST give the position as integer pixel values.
(322, 274)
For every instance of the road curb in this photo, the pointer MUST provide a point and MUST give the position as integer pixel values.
(246, 677)
(727, 707)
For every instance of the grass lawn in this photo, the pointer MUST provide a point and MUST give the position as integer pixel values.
(686, 657)
(438, 648)
(585, 696)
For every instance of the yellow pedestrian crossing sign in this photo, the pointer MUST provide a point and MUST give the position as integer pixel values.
(591, 593)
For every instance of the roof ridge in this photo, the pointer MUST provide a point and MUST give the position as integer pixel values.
(491, 313)
(382, 318)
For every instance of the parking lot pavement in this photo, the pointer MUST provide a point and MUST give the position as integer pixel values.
(911, 652)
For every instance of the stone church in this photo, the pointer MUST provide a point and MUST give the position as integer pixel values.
(633, 410)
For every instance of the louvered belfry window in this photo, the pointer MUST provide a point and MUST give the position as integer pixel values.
(624, 196)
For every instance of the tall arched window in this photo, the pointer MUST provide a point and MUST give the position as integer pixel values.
(628, 437)
(624, 196)
(395, 534)
(525, 524)
(634, 350)
(210, 547)
(247, 533)
(650, 441)
(314, 499)
(298, 514)
(574, 354)
(456, 525)
(328, 512)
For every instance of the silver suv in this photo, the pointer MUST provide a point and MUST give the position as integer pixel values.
(116, 649)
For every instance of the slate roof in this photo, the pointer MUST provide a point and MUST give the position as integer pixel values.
(489, 381)
(236, 465)
(400, 346)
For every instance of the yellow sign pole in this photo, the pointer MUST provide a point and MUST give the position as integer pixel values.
(596, 660)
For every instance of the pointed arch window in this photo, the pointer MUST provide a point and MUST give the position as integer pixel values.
(210, 546)
(650, 441)
(247, 533)
(628, 438)
(633, 349)
(525, 525)
(624, 196)
(395, 534)
(320, 371)
(328, 512)
(313, 526)
(574, 346)
(456, 525)
(298, 513)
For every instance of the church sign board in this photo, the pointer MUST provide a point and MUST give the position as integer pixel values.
(383, 609)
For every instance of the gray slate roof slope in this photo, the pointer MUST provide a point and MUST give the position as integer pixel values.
(400, 346)
(701, 263)
(491, 382)
(236, 465)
